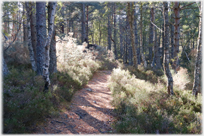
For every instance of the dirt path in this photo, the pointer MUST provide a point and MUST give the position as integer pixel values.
(90, 111)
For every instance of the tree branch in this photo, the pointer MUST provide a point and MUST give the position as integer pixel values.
(156, 26)
(187, 5)
(13, 39)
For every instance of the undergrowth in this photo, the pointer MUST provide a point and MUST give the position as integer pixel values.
(25, 106)
(144, 107)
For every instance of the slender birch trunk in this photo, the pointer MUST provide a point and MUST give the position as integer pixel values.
(53, 58)
(41, 35)
(30, 47)
(166, 49)
(197, 71)
(47, 45)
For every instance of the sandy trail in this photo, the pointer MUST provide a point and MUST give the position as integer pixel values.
(90, 111)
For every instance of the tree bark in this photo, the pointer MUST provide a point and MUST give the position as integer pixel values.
(141, 38)
(128, 43)
(121, 36)
(157, 53)
(176, 34)
(52, 7)
(197, 71)
(41, 35)
(151, 34)
(30, 47)
(172, 41)
(166, 49)
(25, 31)
(33, 29)
(53, 58)
(115, 49)
(137, 46)
(130, 9)
(83, 22)
(109, 30)
(87, 23)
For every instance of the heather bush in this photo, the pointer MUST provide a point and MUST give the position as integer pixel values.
(24, 103)
(144, 107)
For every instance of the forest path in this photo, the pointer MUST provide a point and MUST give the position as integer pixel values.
(90, 110)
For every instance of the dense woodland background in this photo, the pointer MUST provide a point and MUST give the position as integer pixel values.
(160, 42)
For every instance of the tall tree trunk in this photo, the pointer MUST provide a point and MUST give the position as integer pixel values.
(141, 39)
(176, 34)
(128, 43)
(83, 22)
(41, 35)
(53, 58)
(130, 15)
(109, 29)
(137, 46)
(121, 36)
(52, 7)
(33, 29)
(197, 71)
(137, 39)
(156, 51)
(30, 47)
(172, 41)
(25, 33)
(125, 48)
(151, 34)
(87, 23)
(115, 49)
(166, 49)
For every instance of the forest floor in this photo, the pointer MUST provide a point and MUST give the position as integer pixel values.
(90, 111)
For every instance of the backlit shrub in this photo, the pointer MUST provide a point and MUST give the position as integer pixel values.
(146, 108)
